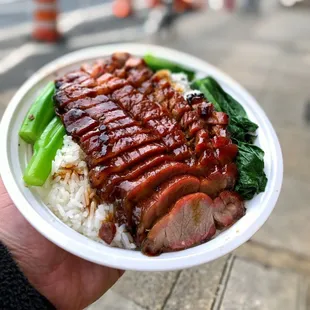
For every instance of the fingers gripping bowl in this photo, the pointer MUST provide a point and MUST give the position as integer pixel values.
(17, 154)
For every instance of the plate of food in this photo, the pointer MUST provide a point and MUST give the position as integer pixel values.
(140, 157)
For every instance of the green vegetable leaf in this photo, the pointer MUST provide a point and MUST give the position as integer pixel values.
(39, 115)
(242, 129)
(250, 160)
(204, 86)
(45, 148)
(157, 64)
(252, 179)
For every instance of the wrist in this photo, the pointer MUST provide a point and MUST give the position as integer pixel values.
(16, 236)
(15, 290)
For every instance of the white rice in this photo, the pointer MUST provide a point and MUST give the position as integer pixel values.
(69, 196)
(182, 84)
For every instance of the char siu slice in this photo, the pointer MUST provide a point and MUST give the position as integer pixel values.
(195, 115)
(84, 80)
(107, 231)
(121, 123)
(220, 180)
(189, 222)
(150, 210)
(143, 186)
(97, 138)
(120, 175)
(122, 168)
(227, 153)
(76, 92)
(228, 208)
(88, 102)
(121, 146)
(134, 103)
(98, 110)
(77, 122)
(193, 220)
(100, 174)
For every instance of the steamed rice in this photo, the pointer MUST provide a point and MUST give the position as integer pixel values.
(68, 194)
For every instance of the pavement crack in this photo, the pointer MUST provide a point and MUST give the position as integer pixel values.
(171, 289)
(139, 305)
(219, 294)
(308, 297)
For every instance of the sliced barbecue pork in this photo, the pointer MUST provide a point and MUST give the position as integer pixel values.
(193, 220)
(165, 162)
(151, 209)
(189, 222)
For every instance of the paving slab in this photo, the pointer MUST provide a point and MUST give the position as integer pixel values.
(288, 227)
(282, 26)
(251, 286)
(250, 63)
(292, 106)
(274, 257)
(251, 55)
(249, 79)
(279, 81)
(295, 145)
(291, 64)
(197, 288)
(146, 289)
(210, 51)
(114, 301)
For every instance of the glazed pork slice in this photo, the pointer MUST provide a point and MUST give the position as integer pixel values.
(228, 207)
(193, 220)
(151, 209)
(188, 223)
(116, 170)
(220, 180)
(197, 118)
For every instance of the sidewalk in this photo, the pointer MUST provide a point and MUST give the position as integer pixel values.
(269, 55)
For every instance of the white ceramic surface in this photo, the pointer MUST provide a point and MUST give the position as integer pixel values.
(15, 154)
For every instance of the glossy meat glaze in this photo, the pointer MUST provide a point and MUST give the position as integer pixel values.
(165, 162)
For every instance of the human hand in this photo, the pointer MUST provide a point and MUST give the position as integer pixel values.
(67, 281)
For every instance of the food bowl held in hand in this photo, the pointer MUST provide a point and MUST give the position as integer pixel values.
(16, 155)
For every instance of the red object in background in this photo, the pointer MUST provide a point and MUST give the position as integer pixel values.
(45, 21)
(230, 4)
(122, 8)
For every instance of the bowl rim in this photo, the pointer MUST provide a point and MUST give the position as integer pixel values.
(119, 258)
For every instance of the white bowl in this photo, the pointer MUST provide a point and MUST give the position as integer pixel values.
(15, 155)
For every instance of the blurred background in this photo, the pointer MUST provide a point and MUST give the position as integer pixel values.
(265, 46)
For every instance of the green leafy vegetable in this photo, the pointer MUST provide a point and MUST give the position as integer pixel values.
(250, 160)
(39, 115)
(252, 179)
(45, 148)
(157, 64)
(204, 86)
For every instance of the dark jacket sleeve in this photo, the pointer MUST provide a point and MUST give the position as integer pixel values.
(15, 290)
